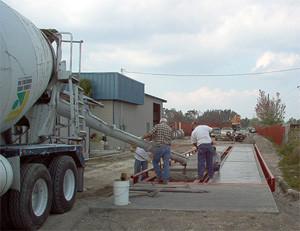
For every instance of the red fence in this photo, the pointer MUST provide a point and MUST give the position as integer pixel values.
(274, 132)
(187, 128)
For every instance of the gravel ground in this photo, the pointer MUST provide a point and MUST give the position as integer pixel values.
(101, 172)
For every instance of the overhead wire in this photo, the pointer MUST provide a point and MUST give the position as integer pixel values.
(211, 75)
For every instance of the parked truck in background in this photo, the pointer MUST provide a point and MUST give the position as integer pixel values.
(239, 133)
(236, 122)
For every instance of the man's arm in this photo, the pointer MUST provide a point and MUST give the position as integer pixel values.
(193, 139)
(195, 144)
(149, 134)
(210, 130)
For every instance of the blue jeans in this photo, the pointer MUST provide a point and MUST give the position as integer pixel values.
(205, 159)
(140, 166)
(164, 151)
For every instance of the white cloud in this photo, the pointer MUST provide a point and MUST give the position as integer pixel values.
(204, 98)
(100, 57)
(274, 61)
(175, 36)
(60, 14)
(193, 29)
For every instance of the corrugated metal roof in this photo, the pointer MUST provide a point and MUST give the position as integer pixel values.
(160, 99)
(115, 86)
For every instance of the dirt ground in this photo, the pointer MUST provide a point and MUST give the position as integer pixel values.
(100, 173)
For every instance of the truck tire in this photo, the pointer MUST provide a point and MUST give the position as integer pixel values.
(63, 171)
(30, 207)
(5, 221)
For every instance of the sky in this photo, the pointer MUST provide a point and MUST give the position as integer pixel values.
(186, 37)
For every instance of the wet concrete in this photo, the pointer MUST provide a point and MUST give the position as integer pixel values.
(239, 186)
(192, 161)
(215, 197)
(240, 166)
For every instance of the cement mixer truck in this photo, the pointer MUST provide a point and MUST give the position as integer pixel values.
(40, 174)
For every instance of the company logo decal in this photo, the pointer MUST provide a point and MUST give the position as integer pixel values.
(23, 92)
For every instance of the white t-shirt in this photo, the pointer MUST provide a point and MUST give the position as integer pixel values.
(200, 135)
(141, 154)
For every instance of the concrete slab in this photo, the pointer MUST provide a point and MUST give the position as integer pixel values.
(239, 186)
(240, 166)
(192, 162)
(238, 172)
(243, 147)
(241, 156)
(221, 148)
(219, 197)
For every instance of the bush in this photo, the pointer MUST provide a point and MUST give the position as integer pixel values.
(290, 163)
(87, 86)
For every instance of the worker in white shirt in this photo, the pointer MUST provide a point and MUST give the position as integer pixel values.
(201, 139)
(141, 160)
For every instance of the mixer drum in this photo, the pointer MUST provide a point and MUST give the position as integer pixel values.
(26, 65)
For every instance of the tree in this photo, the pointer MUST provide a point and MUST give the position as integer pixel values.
(191, 115)
(293, 121)
(218, 118)
(269, 111)
(254, 122)
(174, 116)
(215, 118)
(87, 86)
(245, 123)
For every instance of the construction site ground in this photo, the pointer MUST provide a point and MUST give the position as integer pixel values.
(102, 171)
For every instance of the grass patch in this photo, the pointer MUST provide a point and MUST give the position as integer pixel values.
(290, 163)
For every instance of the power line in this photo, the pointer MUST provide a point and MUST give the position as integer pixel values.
(211, 75)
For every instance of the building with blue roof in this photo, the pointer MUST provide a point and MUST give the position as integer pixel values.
(125, 104)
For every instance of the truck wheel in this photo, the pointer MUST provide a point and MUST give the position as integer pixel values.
(64, 177)
(30, 207)
(5, 221)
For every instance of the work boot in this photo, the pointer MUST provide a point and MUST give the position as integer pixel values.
(200, 178)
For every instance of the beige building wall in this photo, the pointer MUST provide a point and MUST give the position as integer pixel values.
(135, 119)
(105, 114)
